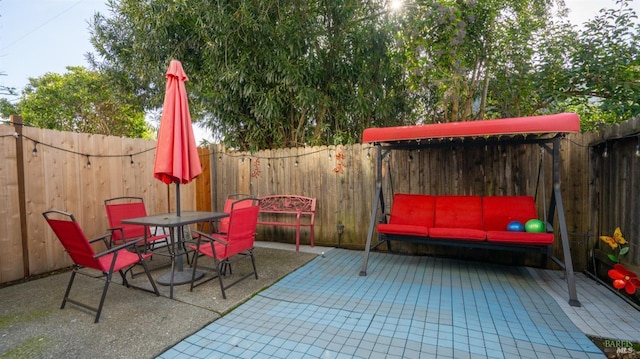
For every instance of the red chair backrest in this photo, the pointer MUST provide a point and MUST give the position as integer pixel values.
(116, 212)
(223, 227)
(243, 221)
(75, 243)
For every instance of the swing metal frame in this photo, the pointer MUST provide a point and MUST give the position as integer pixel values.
(544, 131)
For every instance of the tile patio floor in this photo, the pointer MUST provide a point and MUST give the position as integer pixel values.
(415, 307)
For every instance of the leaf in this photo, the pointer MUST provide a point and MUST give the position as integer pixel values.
(613, 258)
(623, 251)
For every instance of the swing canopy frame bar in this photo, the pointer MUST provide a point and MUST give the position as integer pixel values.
(545, 131)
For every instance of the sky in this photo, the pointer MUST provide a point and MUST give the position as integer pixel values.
(42, 36)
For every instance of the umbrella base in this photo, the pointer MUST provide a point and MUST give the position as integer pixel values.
(179, 277)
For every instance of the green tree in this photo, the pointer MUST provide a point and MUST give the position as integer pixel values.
(267, 74)
(469, 60)
(81, 101)
(605, 68)
(7, 108)
(262, 73)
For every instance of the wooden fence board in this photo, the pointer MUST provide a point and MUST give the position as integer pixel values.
(11, 264)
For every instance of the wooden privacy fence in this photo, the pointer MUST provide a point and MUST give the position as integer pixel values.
(340, 177)
(45, 169)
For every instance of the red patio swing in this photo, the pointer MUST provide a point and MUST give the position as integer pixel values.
(544, 131)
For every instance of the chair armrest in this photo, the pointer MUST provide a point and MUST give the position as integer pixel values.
(102, 238)
(209, 238)
(116, 248)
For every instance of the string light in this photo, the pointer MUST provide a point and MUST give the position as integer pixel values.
(296, 163)
(638, 147)
(36, 143)
(605, 153)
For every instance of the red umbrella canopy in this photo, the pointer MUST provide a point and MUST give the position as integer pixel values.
(177, 158)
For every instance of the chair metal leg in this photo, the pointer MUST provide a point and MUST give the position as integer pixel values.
(253, 263)
(193, 272)
(220, 266)
(153, 283)
(104, 295)
(66, 293)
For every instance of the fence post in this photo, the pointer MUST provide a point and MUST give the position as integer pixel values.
(16, 121)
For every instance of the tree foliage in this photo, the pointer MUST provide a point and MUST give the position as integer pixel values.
(604, 80)
(267, 74)
(262, 73)
(80, 101)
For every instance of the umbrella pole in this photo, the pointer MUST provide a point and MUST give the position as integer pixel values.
(180, 230)
(179, 275)
(178, 198)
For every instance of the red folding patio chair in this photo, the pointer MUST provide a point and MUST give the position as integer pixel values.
(232, 246)
(120, 208)
(80, 249)
(223, 226)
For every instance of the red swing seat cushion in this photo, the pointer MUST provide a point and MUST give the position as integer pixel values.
(411, 214)
(499, 211)
(458, 217)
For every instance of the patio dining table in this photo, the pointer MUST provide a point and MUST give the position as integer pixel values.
(173, 221)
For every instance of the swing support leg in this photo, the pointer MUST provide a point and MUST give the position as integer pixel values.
(556, 202)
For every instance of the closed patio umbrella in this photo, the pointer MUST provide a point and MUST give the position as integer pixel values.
(177, 158)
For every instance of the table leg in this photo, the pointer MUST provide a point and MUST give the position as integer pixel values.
(177, 276)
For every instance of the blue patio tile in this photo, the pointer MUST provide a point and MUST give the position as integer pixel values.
(461, 354)
(321, 343)
(363, 353)
(314, 351)
(405, 306)
(495, 354)
(282, 353)
(171, 353)
(477, 349)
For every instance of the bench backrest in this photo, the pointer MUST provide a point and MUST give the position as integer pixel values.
(412, 209)
(287, 204)
(498, 211)
(458, 212)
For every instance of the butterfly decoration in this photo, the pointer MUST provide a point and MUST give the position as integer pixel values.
(614, 242)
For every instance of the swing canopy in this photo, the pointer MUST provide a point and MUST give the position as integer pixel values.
(545, 131)
(529, 128)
